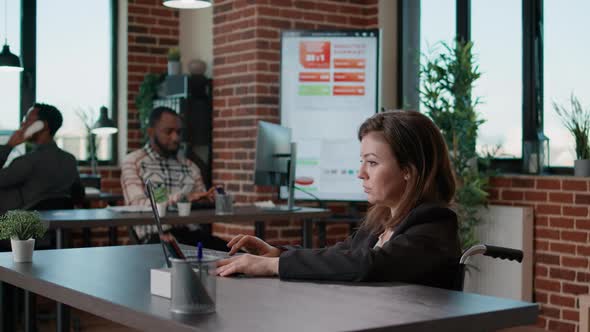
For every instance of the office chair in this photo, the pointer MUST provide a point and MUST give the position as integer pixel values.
(486, 250)
(53, 203)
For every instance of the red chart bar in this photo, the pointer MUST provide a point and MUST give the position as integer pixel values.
(314, 77)
(348, 90)
(349, 77)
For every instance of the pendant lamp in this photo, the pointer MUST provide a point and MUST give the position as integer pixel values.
(104, 125)
(8, 61)
(187, 4)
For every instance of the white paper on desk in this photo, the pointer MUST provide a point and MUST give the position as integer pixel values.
(91, 191)
(130, 208)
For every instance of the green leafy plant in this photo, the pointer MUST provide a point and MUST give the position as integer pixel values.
(577, 121)
(173, 54)
(21, 225)
(144, 101)
(446, 95)
(161, 194)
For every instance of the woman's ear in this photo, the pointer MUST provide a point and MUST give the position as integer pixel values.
(408, 172)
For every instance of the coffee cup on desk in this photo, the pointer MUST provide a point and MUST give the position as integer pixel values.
(184, 209)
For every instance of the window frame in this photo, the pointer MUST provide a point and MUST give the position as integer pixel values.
(29, 74)
(532, 67)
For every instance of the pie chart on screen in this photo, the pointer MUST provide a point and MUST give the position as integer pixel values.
(304, 180)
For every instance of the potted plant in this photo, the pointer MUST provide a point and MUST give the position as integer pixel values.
(184, 205)
(144, 101)
(446, 97)
(174, 61)
(22, 228)
(577, 122)
(161, 196)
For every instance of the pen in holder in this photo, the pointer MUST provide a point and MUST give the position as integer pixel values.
(224, 204)
(193, 285)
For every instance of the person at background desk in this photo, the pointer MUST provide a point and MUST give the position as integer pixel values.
(408, 235)
(46, 171)
(160, 161)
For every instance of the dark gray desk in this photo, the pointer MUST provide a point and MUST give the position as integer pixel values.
(113, 282)
(75, 219)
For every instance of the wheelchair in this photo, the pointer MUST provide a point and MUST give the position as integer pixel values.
(485, 250)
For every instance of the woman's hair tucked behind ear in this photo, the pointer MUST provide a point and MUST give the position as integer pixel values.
(420, 149)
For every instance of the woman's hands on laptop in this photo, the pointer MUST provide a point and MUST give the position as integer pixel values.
(261, 260)
(252, 245)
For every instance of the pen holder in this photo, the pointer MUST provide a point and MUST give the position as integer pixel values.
(224, 204)
(193, 285)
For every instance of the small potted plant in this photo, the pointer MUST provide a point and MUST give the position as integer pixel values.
(184, 205)
(174, 61)
(22, 228)
(161, 196)
(577, 122)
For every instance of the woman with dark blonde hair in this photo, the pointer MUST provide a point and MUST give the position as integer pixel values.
(409, 233)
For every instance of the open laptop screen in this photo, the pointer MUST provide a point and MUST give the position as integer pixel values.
(150, 190)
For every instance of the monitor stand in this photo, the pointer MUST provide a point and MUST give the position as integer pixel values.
(291, 185)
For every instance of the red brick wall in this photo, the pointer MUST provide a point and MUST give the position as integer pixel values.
(152, 30)
(561, 247)
(246, 50)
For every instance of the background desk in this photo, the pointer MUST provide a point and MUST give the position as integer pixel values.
(76, 219)
(113, 282)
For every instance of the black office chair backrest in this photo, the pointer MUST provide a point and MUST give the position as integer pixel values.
(53, 203)
(486, 250)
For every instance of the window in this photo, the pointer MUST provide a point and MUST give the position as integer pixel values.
(498, 52)
(529, 54)
(10, 81)
(75, 69)
(437, 24)
(566, 70)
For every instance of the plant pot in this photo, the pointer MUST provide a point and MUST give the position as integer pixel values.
(582, 167)
(184, 209)
(162, 209)
(22, 250)
(173, 67)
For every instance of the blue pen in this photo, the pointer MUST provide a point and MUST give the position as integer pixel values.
(200, 251)
(199, 259)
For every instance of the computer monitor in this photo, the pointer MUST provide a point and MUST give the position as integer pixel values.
(275, 156)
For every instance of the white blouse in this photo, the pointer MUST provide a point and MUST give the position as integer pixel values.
(383, 238)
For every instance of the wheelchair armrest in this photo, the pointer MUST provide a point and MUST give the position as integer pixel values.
(503, 253)
(492, 251)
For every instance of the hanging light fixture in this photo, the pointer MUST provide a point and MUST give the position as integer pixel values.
(187, 4)
(104, 125)
(8, 61)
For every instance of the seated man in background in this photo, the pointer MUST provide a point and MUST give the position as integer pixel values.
(160, 161)
(43, 173)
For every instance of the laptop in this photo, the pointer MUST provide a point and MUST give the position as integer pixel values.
(187, 252)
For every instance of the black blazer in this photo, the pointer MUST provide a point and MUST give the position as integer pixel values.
(424, 249)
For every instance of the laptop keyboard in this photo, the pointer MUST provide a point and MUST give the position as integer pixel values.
(189, 253)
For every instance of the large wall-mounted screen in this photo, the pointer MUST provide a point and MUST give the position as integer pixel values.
(329, 86)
